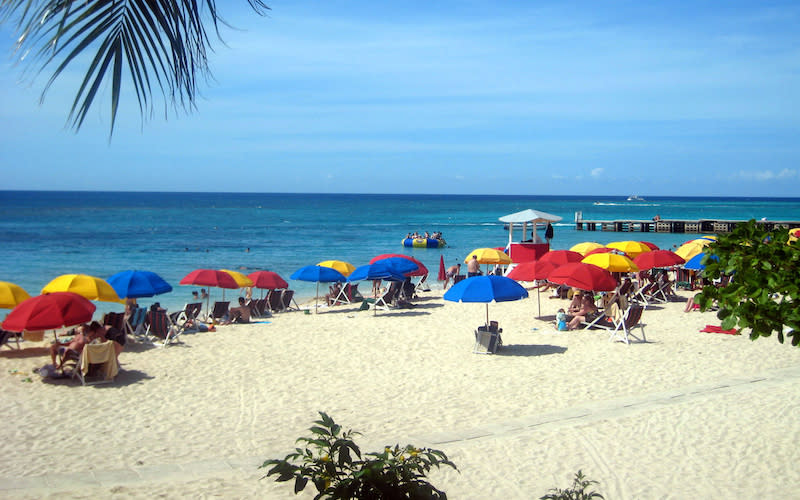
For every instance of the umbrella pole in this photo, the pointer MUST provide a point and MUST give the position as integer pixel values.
(316, 300)
(487, 316)
(539, 301)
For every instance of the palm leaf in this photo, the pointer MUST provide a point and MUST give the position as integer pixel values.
(158, 41)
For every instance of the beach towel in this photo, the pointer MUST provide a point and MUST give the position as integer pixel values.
(718, 329)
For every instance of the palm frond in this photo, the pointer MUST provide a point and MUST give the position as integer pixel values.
(161, 43)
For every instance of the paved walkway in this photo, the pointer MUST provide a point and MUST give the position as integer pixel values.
(580, 415)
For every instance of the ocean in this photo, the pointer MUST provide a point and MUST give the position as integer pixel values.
(46, 234)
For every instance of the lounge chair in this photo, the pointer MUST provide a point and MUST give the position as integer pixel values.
(117, 320)
(385, 301)
(627, 322)
(287, 299)
(161, 326)
(220, 310)
(487, 340)
(135, 325)
(274, 300)
(5, 339)
(98, 361)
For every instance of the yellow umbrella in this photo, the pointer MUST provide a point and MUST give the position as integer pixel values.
(794, 234)
(692, 248)
(89, 287)
(585, 247)
(11, 295)
(612, 262)
(489, 256)
(632, 248)
(240, 279)
(343, 267)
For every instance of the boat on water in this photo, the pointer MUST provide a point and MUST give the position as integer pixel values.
(424, 242)
(635, 197)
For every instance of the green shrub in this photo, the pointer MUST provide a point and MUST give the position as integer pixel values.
(327, 460)
(576, 492)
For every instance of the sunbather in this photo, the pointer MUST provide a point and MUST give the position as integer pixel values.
(79, 339)
(587, 312)
(239, 314)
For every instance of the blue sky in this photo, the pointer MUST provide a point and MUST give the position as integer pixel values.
(617, 98)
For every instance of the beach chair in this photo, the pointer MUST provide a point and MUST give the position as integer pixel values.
(385, 301)
(274, 300)
(287, 299)
(97, 364)
(487, 340)
(135, 324)
(117, 320)
(220, 310)
(422, 285)
(161, 326)
(5, 339)
(626, 323)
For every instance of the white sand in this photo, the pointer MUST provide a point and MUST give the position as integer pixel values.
(687, 415)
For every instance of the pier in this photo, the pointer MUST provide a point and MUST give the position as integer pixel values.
(701, 226)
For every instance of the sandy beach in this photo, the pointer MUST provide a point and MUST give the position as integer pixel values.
(685, 415)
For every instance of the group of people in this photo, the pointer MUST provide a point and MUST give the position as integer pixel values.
(437, 235)
(80, 336)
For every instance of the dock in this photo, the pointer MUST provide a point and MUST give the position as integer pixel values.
(700, 226)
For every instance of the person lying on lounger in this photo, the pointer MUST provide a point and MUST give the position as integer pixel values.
(79, 339)
(587, 312)
(239, 314)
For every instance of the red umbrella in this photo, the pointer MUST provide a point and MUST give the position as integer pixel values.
(49, 312)
(583, 277)
(209, 277)
(420, 271)
(267, 280)
(658, 258)
(532, 270)
(442, 272)
(652, 246)
(559, 257)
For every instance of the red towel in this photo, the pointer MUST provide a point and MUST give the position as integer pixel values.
(718, 329)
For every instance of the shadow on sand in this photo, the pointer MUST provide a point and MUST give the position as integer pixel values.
(529, 350)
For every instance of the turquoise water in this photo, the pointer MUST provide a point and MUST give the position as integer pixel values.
(46, 234)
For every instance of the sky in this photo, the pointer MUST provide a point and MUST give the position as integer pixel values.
(540, 98)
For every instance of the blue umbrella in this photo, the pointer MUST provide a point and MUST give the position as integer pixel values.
(486, 289)
(318, 274)
(135, 284)
(695, 263)
(375, 272)
(397, 265)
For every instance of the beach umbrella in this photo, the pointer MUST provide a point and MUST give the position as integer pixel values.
(318, 274)
(560, 257)
(377, 271)
(133, 284)
(398, 265)
(632, 248)
(49, 312)
(421, 269)
(489, 256)
(442, 271)
(88, 287)
(530, 271)
(604, 250)
(584, 247)
(583, 276)
(652, 246)
(241, 279)
(696, 262)
(692, 248)
(343, 267)
(658, 258)
(211, 278)
(267, 280)
(611, 262)
(486, 289)
(11, 295)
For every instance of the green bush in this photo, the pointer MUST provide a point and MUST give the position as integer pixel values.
(576, 492)
(327, 460)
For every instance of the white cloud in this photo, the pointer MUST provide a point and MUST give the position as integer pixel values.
(768, 175)
(597, 172)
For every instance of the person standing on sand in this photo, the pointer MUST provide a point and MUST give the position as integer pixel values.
(548, 233)
(473, 267)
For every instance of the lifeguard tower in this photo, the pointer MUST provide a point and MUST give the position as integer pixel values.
(527, 250)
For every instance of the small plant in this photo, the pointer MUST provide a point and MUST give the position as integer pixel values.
(576, 492)
(327, 460)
